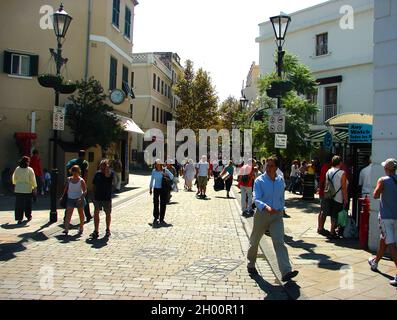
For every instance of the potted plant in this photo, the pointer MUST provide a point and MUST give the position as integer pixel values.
(49, 80)
(67, 87)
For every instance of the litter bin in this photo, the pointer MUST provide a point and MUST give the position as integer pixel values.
(308, 186)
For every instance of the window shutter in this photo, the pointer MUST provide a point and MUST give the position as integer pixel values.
(7, 62)
(34, 66)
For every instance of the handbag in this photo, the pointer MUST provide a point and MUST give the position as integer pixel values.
(219, 184)
(350, 231)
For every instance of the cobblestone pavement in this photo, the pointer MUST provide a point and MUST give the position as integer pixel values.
(328, 269)
(200, 255)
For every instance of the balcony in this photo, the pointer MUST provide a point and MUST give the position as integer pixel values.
(330, 111)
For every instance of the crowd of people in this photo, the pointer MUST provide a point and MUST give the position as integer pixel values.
(262, 186)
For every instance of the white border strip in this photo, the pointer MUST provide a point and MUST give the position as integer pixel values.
(112, 45)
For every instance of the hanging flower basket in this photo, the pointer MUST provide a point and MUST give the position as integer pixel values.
(49, 80)
(67, 87)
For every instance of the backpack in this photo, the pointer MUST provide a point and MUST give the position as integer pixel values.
(329, 190)
(166, 183)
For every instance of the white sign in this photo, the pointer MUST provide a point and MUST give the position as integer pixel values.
(280, 141)
(277, 121)
(58, 118)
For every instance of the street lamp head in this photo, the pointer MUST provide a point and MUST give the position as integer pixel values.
(61, 21)
(243, 102)
(280, 25)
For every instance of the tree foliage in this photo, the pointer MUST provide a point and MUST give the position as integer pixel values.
(90, 118)
(198, 108)
(299, 110)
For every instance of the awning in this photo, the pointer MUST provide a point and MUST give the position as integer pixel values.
(345, 119)
(341, 135)
(128, 124)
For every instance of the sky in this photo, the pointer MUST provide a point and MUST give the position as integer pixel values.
(217, 35)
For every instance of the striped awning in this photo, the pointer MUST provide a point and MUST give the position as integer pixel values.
(341, 135)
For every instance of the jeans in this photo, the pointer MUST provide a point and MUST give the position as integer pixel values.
(160, 203)
(23, 204)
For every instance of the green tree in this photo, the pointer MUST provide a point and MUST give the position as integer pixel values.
(90, 118)
(299, 110)
(198, 108)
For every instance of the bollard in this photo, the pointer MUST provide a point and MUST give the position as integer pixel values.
(364, 222)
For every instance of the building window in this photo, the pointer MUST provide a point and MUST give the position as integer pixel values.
(116, 13)
(154, 81)
(153, 112)
(113, 74)
(161, 117)
(127, 23)
(321, 44)
(132, 79)
(158, 84)
(312, 98)
(125, 78)
(157, 115)
(330, 102)
(162, 87)
(23, 65)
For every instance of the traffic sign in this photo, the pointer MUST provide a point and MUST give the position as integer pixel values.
(328, 140)
(58, 118)
(277, 121)
(280, 141)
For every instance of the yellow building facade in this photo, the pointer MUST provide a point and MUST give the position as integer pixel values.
(98, 44)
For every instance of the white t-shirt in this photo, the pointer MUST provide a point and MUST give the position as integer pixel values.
(365, 179)
(337, 182)
(294, 171)
(202, 169)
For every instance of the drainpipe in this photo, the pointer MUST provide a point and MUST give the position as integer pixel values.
(87, 57)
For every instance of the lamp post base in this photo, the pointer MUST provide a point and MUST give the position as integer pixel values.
(54, 184)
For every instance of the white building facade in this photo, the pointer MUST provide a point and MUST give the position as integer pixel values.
(334, 39)
(384, 143)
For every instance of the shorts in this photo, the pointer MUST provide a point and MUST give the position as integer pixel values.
(73, 203)
(202, 181)
(325, 206)
(331, 208)
(388, 230)
(103, 205)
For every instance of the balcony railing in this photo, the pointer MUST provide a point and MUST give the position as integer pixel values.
(330, 111)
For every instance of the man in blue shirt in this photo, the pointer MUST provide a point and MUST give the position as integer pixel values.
(269, 200)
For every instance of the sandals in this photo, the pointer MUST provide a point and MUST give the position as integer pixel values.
(108, 233)
(94, 235)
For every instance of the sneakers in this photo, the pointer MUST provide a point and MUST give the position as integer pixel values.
(394, 281)
(372, 262)
(287, 277)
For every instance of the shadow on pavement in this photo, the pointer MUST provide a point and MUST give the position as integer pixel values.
(323, 261)
(272, 292)
(9, 226)
(226, 198)
(98, 243)
(303, 205)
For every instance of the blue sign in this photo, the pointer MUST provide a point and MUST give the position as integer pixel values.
(328, 140)
(360, 133)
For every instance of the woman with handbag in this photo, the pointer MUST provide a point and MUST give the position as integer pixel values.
(76, 189)
(25, 183)
(159, 183)
(229, 171)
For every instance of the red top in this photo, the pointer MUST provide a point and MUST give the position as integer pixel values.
(247, 170)
(325, 167)
(36, 166)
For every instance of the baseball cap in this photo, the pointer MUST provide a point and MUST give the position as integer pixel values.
(390, 163)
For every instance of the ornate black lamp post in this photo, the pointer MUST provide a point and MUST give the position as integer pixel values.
(61, 21)
(280, 26)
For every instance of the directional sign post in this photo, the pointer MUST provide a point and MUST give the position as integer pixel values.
(58, 119)
(277, 121)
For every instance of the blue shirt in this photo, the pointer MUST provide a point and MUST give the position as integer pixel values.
(388, 199)
(269, 193)
(157, 178)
